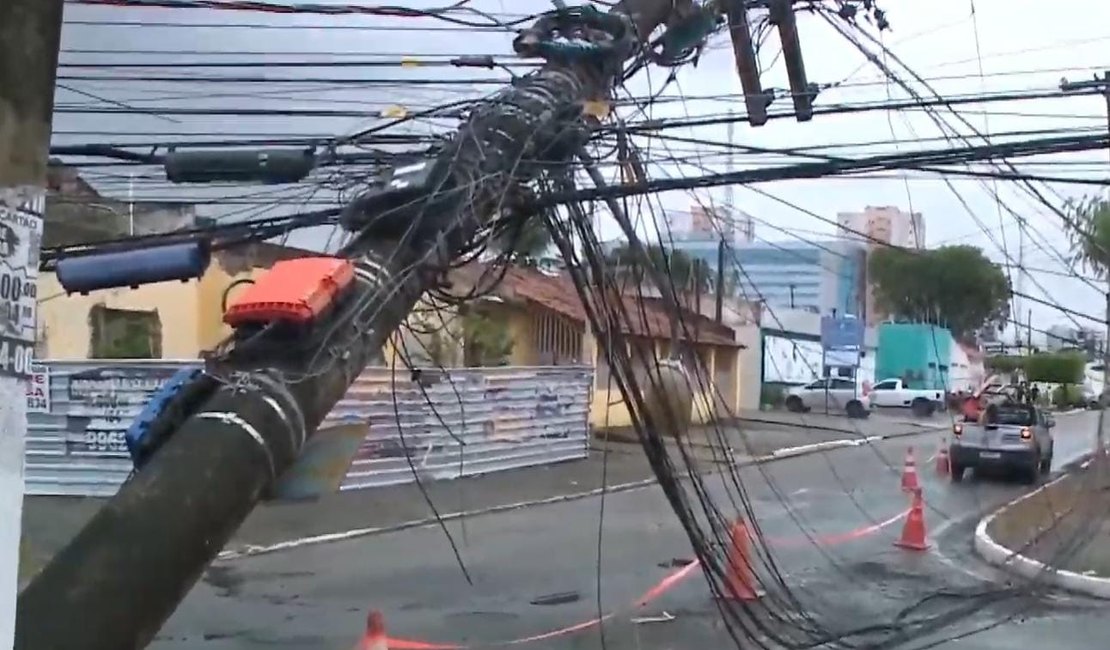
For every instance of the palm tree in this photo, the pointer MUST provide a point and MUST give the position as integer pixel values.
(683, 271)
(1089, 232)
(525, 241)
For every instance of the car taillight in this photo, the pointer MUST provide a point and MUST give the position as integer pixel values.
(957, 429)
(1026, 433)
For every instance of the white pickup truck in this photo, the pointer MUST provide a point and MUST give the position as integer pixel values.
(832, 395)
(893, 393)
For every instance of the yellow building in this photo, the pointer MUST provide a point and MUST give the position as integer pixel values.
(530, 318)
(547, 325)
(168, 320)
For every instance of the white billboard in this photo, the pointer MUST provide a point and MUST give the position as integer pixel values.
(791, 361)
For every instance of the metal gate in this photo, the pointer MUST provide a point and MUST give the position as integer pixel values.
(470, 421)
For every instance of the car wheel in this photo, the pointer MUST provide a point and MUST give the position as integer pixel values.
(1033, 474)
(794, 404)
(921, 407)
(957, 472)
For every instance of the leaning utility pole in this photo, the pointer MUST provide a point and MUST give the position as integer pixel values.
(123, 575)
(29, 35)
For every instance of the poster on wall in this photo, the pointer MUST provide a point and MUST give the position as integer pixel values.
(842, 358)
(791, 361)
(38, 389)
(20, 239)
(102, 404)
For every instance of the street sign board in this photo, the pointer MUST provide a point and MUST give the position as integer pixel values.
(841, 333)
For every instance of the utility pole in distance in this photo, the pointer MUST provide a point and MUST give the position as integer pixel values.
(1104, 398)
(29, 35)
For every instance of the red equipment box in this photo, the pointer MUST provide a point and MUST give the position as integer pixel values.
(295, 291)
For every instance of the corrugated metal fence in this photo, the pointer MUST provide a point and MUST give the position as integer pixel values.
(471, 421)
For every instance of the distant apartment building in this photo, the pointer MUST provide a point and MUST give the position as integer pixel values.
(76, 212)
(876, 227)
(820, 277)
(1065, 337)
(708, 223)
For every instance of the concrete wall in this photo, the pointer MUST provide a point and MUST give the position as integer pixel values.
(723, 368)
(790, 324)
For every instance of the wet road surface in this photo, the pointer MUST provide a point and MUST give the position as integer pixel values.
(828, 521)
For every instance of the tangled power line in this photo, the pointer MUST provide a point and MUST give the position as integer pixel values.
(538, 150)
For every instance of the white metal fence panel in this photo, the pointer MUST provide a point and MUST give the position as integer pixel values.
(471, 421)
(75, 441)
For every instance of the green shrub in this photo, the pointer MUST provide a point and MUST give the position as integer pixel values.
(1060, 368)
(1067, 396)
(772, 395)
(1005, 363)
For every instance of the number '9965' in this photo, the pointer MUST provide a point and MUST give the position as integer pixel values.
(105, 441)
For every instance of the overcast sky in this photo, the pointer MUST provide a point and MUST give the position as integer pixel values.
(1018, 45)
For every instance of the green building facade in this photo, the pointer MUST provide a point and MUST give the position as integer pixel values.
(917, 353)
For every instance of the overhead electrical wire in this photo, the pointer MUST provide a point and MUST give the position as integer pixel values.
(783, 618)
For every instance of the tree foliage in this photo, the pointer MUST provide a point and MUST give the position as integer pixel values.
(685, 272)
(1004, 363)
(486, 340)
(1089, 232)
(954, 286)
(525, 241)
(1060, 368)
(1053, 368)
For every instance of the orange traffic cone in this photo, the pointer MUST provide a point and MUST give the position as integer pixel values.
(913, 532)
(739, 577)
(374, 638)
(909, 473)
(944, 463)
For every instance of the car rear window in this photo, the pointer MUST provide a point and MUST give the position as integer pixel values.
(1020, 416)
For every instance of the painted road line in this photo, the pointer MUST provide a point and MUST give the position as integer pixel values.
(1001, 556)
(326, 538)
(668, 582)
(251, 550)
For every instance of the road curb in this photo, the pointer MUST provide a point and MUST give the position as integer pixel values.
(1001, 556)
(251, 550)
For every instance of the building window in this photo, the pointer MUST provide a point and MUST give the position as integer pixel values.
(124, 333)
(557, 340)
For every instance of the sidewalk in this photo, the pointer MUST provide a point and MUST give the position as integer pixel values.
(1063, 525)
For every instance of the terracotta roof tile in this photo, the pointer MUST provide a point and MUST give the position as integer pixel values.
(557, 292)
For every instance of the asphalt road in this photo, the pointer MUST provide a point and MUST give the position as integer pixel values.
(828, 522)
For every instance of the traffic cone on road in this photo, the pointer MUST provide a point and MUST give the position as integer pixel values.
(944, 463)
(739, 577)
(909, 473)
(374, 638)
(913, 532)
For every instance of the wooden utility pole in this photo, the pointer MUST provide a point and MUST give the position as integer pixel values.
(115, 583)
(1104, 398)
(1104, 85)
(29, 34)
